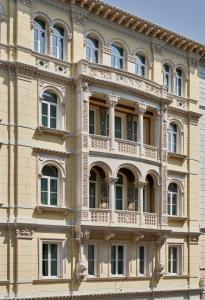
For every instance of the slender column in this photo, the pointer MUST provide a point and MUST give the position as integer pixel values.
(157, 134)
(112, 182)
(141, 109)
(112, 102)
(50, 41)
(141, 186)
(174, 83)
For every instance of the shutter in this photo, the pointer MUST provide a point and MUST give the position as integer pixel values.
(129, 127)
(103, 121)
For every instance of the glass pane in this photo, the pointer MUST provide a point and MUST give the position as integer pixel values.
(113, 267)
(91, 122)
(118, 197)
(44, 198)
(50, 171)
(135, 131)
(113, 61)
(92, 195)
(91, 267)
(54, 199)
(95, 56)
(54, 251)
(120, 252)
(53, 111)
(45, 268)
(88, 56)
(53, 123)
(118, 127)
(44, 184)
(53, 185)
(91, 259)
(54, 268)
(120, 268)
(113, 252)
(45, 251)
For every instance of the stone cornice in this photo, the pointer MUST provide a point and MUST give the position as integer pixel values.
(130, 23)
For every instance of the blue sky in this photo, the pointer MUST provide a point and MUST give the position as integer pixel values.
(186, 17)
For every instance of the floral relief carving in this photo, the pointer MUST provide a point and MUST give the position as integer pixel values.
(164, 189)
(24, 233)
(85, 178)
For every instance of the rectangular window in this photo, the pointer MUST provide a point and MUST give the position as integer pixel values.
(119, 197)
(92, 122)
(50, 260)
(143, 260)
(118, 127)
(92, 260)
(174, 259)
(117, 260)
(92, 195)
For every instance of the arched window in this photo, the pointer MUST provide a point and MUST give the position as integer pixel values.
(49, 111)
(92, 50)
(117, 57)
(173, 138)
(58, 42)
(49, 186)
(179, 82)
(149, 204)
(173, 200)
(40, 36)
(167, 77)
(141, 65)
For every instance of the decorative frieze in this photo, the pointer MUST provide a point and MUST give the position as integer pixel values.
(27, 3)
(79, 16)
(164, 189)
(85, 178)
(24, 233)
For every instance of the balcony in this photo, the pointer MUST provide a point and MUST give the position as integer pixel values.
(124, 147)
(121, 78)
(102, 217)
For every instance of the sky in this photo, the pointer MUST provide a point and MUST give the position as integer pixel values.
(186, 17)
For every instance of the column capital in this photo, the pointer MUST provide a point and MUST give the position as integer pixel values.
(111, 180)
(140, 108)
(140, 184)
(164, 108)
(85, 91)
(112, 100)
(157, 115)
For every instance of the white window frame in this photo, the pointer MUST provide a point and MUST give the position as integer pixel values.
(97, 188)
(146, 260)
(177, 79)
(171, 194)
(93, 49)
(49, 115)
(59, 244)
(169, 74)
(171, 134)
(124, 191)
(124, 260)
(179, 259)
(58, 43)
(39, 41)
(116, 57)
(123, 123)
(96, 113)
(49, 178)
(95, 258)
(139, 65)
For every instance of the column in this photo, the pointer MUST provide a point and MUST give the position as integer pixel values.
(112, 102)
(50, 41)
(140, 199)
(141, 109)
(157, 133)
(112, 182)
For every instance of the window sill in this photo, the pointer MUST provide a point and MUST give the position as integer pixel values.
(173, 276)
(177, 155)
(40, 130)
(51, 280)
(118, 278)
(53, 209)
(177, 218)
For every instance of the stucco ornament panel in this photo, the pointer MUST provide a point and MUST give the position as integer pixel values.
(85, 172)
(24, 233)
(164, 189)
(27, 3)
(135, 82)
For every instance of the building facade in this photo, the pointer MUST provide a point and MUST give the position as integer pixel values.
(99, 154)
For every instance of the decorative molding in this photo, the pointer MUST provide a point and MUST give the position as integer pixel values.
(26, 234)
(27, 3)
(107, 50)
(141, 108)
(157, 46)
(79, 16)
(112, 100)
(85, 178)
(193, 239)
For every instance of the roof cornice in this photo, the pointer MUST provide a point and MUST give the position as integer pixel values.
(134, 24)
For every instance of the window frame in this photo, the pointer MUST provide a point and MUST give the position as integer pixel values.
(94, 244)
(117, 58)
(169, 74)
(116, 260)
(59, 259)
(170, 195)
(49, 104)
(92, 50)
(180, 259)
(58, 37)
(49, 178)
(177, 80)
(146, 260)
(39, 32)
(139, 65)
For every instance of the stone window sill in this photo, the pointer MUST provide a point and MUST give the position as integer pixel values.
(51, 280)
(40, 130)
(177, 155)
(177, 218)
(53, 209)
(118, 278)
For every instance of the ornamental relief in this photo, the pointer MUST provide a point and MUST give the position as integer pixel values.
(121, 79)
(164, 189)
(85, 178)
(45, 84)
(24, 233)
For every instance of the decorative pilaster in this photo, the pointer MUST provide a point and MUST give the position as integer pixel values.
(164, 148)
(82, 237)
(82, 125)
(157, 117)
(141, 109)
(112, 102)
